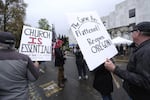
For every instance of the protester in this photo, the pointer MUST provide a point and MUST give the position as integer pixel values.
(137, 76)
(59, 62)
(103, 82)
(16, 70)
(121, 49)
(81, 64)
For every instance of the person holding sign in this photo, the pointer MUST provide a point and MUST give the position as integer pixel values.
(137, 76)
(17, 70)
(59, 62)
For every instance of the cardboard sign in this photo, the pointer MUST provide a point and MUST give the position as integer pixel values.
(36, 43)
(92, 37)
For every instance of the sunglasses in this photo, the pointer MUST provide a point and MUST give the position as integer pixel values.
(133, 30)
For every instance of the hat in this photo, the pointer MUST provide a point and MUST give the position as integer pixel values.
(7, 38)
(58, 43)
(143, 27)
(77, 46)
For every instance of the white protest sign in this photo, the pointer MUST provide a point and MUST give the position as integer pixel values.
(36, 43)
(92, 37)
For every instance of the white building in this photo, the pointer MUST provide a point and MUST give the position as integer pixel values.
(127, 14)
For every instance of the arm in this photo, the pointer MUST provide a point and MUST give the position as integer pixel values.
(133, 77)
(33, 71)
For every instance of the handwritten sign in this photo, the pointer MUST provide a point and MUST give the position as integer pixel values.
(92, 37)
(36, 43)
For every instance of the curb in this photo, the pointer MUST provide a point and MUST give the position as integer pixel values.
(119, 60)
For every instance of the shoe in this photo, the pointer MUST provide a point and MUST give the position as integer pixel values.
(80, 77)
(86, 77)
(42, 71)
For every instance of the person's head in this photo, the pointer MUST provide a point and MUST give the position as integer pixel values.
(59, 43)
(77, 47)
(141, 32)
(7, 40)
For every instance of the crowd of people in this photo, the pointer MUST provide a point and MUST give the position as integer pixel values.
(123, 49)
(18, 70)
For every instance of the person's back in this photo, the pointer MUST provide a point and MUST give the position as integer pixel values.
(59, 57)
(79, 56)
(16, 70)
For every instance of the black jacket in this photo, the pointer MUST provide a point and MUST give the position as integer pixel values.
(103, 80)
(59, 57)
(79, 58)
(137, 76)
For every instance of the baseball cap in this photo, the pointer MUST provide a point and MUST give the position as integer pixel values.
(143, 27)
(58, 43)
(7, 38)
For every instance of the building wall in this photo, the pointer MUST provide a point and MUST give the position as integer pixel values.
(131, 4)
(118, 22)
(121, 14)
(143, 10)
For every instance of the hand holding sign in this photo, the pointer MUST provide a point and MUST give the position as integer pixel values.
(109, 65)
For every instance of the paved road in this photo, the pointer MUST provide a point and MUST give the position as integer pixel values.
(46, 89)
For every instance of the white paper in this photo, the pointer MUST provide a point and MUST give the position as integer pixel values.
(36, 43)
(92, 37)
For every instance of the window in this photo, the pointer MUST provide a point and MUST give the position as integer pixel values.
(132, 13)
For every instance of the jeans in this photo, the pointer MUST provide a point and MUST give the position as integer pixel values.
(81, 68)
(107, 97)
(60, 74)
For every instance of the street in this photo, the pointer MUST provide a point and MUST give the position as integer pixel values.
(46, 87)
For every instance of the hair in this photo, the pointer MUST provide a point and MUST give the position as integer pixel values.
(77, 47)
(145, 33)
(6, 46)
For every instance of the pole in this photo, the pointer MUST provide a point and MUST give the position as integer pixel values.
(115, 81)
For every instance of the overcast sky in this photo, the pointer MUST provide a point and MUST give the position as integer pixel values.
(55, 10)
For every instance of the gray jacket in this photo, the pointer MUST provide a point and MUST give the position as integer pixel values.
(137, 76)
(16, 70)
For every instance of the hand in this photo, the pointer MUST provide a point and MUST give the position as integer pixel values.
(109, 65)
(36, 64)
